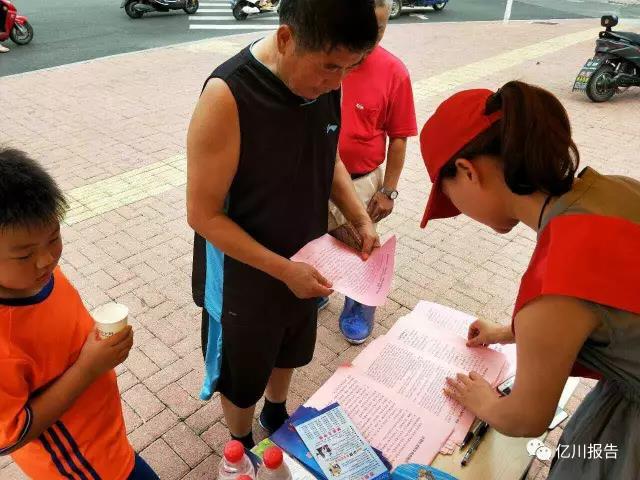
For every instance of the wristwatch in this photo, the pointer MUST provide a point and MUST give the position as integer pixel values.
(391, 194)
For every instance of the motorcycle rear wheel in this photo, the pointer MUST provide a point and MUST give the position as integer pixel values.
(130, 11)
(22, 34)
(396, 9)
(192, 7)
(598, 89)
(238, 14)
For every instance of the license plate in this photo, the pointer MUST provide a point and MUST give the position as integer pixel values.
(585, 74)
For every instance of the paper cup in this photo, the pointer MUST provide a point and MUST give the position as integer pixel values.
(110, 319)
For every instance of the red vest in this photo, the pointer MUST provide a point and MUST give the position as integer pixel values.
(590, 257)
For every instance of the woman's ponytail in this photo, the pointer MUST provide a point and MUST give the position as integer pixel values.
(533, 140)
(536, 145)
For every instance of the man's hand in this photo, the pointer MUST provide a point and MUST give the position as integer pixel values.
(368, 235)
(379, 207)
(305, 281)
(99, 356)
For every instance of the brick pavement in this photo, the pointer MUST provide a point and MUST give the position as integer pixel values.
(112, 132)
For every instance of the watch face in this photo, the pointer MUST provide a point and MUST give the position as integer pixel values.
(393, 195)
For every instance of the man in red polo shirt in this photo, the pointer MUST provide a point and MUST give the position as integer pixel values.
(377, 104)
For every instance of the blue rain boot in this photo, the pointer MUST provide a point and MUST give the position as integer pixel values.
(356, 321)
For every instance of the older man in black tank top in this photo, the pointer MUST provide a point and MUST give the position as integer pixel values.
(262, 165)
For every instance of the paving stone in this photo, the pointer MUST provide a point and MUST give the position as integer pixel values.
(206, 470)
(167, 375)
(189, 446)
(131, 419)
(126, 380)
(143, 402)
(153, 429)
(216, 437)
(178, 400)
(12, 472)
(158, 352)
(206, 416)
(165, 462)
(140, 365)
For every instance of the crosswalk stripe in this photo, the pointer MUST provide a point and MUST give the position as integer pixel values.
(211, 17)
(229, 18)
(214, 10)
(232, 27)
(215, 4)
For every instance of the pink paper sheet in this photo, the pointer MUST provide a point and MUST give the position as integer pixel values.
(367, 282)
(393, 392)
(404, 432)
(447, 323)
(415, 365)
(457, 322)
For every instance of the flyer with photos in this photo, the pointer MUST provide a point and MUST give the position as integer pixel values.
(338, 448)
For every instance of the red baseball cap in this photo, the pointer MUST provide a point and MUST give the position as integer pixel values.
(456, 122)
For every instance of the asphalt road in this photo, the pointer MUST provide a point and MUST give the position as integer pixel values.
(69, 31)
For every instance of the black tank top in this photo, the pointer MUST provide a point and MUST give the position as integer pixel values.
(281, 190)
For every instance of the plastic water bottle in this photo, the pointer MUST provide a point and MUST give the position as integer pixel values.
(235, 462)
(273, 466)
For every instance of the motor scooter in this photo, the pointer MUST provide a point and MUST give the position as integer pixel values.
(243, 9)
(137, 8)
(16, 27)
(615, 66)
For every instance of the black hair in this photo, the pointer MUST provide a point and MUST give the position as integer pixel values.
(533, 140)
(327, 24)
(29, 197)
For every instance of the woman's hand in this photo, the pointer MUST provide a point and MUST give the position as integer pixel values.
(483, 333)
(472, 392)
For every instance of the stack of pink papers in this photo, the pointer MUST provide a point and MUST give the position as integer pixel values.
(495, 363)
(393, 391)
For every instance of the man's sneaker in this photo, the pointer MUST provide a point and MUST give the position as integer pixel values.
(322, 303)
(356, 321)
(3, 49)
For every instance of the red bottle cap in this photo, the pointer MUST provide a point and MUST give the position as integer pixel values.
(272, 458)
(233, 451)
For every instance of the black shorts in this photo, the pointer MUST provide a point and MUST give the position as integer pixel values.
(254, 341)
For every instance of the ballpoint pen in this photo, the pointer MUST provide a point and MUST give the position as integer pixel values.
(470, 434)
(475, 443)
(466, 440)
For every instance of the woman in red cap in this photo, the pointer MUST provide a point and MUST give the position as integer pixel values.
(508, 157)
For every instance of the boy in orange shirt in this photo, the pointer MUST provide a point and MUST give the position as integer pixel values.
(60, 411)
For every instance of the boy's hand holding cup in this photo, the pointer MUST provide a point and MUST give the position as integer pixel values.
(108, 345)
(110, 319)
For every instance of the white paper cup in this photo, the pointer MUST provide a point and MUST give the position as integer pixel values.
(110, 319)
